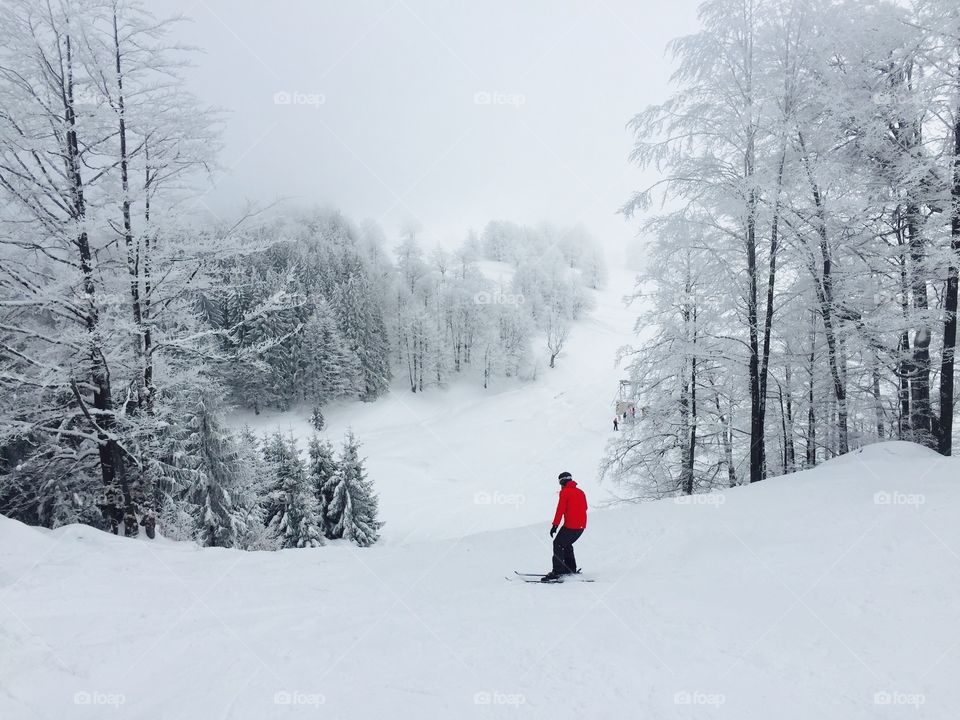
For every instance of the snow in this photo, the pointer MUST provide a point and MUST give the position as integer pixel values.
(455, 461)
(828, 594)
(499, 272)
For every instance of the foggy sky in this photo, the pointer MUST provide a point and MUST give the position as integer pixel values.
(447, 113)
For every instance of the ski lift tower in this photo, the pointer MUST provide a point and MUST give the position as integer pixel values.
(625, 403)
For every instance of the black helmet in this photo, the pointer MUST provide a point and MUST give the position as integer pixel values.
(564, 478)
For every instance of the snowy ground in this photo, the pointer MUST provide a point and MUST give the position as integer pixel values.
(456, 461)
(829, 594)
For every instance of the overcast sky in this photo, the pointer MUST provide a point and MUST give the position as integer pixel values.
(448, 113)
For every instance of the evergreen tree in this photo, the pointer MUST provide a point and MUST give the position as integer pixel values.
(353, 509)
(258, 536)
(223, 491)
(363, 327)
(292, 511)
(322, 469)
(208, 490)
(329, 369)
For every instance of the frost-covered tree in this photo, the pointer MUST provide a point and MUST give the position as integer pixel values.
(292, 513)
(87, 232)
(222, 488)
(322, 469)
(329, 369)
(260, 472)
(353, 510)
(808, 156)
(206, 489)
(365, 333)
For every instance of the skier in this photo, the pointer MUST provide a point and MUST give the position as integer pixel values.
(572, 509)
(616, 423)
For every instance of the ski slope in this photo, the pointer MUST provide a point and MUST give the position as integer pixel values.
(828, 594)
(460, 460)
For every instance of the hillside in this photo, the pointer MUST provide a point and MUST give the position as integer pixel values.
(828, 593)
(460, 460)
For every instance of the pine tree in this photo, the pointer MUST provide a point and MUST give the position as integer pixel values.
(322, 470)
(208, 490)
(354, 507)
(258, 536)
(224, 488)
(329, 369)
(363, 327)
(292, 512)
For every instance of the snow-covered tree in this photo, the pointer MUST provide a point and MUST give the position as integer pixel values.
(808, 157)
(292, 512)
(197, 472)
(353, 510)
(322, 469)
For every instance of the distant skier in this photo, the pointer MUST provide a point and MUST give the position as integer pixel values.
(572, 509)
(616, 423)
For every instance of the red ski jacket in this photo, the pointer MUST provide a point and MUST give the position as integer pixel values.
(572, 507)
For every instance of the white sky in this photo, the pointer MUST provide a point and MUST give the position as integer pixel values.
(399, 134)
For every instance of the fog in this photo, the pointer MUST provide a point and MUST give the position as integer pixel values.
(440, 113)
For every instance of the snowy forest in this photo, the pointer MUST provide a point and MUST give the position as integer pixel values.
(131, 324)
(424, 359)
(801, 294)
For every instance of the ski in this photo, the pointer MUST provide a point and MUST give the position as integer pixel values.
(540, 575)
(534, 579)
(538, 578)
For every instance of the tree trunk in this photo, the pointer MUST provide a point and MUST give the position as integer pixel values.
(945, 444)
(112, 469)
(764, 360)
(757, 440)
(904, 366)
(728, 450)
(811, 411)
(133, 255)
(149, 246)
(824, 287)
(921, 411)
(875, 389)
(790, 450)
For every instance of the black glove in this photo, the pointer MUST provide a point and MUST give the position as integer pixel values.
(553, 530)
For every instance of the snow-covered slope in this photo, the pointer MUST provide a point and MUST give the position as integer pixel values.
(450, 462)
(829, 594)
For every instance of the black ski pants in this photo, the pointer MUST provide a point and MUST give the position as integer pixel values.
(563, 559)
